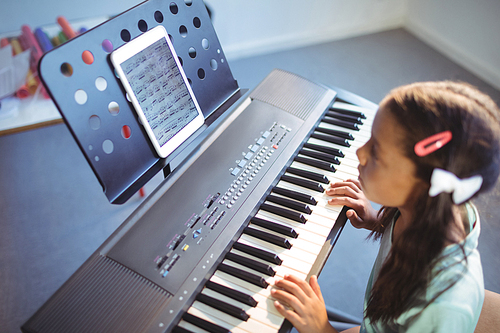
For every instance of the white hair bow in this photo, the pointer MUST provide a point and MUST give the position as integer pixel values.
(462, 189)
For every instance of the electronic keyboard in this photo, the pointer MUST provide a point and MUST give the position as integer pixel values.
(247, 206)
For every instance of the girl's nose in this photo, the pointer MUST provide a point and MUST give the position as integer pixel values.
(360, 152)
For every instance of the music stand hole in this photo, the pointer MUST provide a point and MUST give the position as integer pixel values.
(108, 146)
(183, 31)
(197, 22)
(113, 108)
(126, 133)
(192, 52)
(101, 84)
(173, 8)
(66, 69)
(81, 96)
(87, 57)
(107, 46)
(94, 122)
(201, 73)
(213, 64)
(125, 35)
(205, 44)
(158, 16)
(142, 25)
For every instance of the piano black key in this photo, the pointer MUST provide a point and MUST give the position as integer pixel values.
(279, 228)
(241, 274)
(223, 306)
(320, 156)
(178, 329)
(341, 123)
(231, 293)
(345, 117)
(311, 175)
(284, 212)
(315, 163)
(324, 149)
(204, 324)
(315, 186)
(258, 253)
(267, 237)
(250, 263)
(305, 198)
(298, 206)
(336, 133)
(333, 139)
(349, 112)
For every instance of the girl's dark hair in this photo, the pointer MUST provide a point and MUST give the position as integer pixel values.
(421, 110)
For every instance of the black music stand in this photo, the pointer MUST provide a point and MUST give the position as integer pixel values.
(82, 83)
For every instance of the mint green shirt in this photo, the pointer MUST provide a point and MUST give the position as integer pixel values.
(456, 310)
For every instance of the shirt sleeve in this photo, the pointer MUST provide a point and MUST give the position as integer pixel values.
(443, 317)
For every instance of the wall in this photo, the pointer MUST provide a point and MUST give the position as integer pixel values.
(247, 28)
(14, 13)
(464, 30)
(467, 31)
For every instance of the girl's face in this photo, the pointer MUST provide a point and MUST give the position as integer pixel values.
(386, 175)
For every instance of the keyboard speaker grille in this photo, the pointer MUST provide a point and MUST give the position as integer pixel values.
(102, 297)
(289, 92)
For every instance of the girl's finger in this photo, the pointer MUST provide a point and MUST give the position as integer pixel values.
(343, 191)
(302, 284)
(291, 288)
(289, 314)
(287, 299)
(352, 183)
(343, 201)
(313, 282)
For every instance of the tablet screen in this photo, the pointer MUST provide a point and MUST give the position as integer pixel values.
(160, 90)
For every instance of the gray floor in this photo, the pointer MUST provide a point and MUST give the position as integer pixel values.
(53, 214)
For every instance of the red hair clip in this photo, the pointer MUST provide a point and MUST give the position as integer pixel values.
(432, 143)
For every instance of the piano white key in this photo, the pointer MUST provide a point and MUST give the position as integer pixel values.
(263, 298)
(256, 313)
(245, 285)
(322, 208)
(304, 235)
(299, 227)
(298, 254)
(369, 113)
(350, 163)
(222, 319)
(316, 195)
(341, 169)
(313, 218)
(288, 266)
(349, 152)
(364, 130)
(191, 327)
(333, 177)
(306, 241)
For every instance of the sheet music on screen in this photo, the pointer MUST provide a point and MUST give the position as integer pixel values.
(162, 94)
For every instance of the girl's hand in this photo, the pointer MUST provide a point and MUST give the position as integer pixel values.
(349, 193)
(302, 304)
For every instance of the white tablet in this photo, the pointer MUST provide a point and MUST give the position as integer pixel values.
(151, 74)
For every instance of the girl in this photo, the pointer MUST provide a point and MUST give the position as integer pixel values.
(434, 146)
